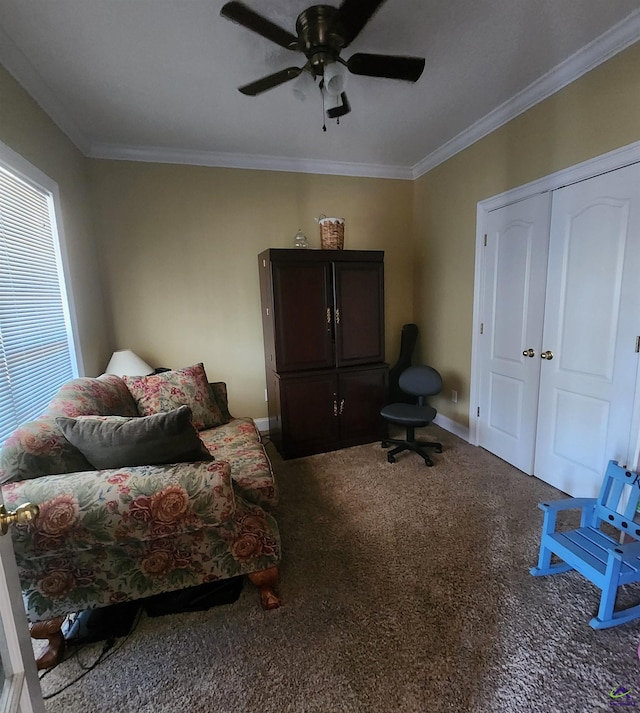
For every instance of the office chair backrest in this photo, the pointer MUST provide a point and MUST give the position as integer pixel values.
(408, 339)
(420, 381)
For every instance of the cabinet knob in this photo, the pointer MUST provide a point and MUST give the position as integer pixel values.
(335, 407)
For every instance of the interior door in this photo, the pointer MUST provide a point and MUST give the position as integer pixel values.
(19, 678)
(514, 281)
(592, 319)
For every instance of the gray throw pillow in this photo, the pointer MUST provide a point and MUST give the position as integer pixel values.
(118, 441)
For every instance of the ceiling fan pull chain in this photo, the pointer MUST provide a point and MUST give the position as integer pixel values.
(324, 121)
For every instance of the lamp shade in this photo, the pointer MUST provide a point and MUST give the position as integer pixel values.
(335, 78)
(127, 363)
(303, 86)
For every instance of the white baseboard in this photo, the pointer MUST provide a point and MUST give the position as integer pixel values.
(452, 426)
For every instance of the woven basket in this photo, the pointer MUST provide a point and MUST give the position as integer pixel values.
(331, 233)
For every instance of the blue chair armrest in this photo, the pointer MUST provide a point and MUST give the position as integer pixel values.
(568, 504)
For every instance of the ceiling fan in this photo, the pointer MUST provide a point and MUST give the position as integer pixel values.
(323, 31)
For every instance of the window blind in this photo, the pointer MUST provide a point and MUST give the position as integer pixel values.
(36, 351)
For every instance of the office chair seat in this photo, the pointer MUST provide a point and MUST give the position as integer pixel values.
(410, 414)
(420, 381)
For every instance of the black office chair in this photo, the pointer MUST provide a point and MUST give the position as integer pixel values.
(421, 381)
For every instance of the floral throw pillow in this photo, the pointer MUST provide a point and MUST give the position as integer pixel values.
(168, 390)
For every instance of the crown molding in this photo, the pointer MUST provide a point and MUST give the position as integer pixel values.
(21, 69)
(258, 162)
(610, 43)
(610, 161)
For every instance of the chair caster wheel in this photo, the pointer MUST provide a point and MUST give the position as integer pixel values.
(429, 464)
(439, 450)
(390, 458)
(384, 444)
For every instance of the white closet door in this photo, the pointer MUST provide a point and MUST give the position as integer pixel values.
(592, 318)
(514, 279)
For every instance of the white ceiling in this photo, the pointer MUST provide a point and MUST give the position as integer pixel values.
(157, 79)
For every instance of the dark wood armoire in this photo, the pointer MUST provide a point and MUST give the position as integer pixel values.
(323, 323)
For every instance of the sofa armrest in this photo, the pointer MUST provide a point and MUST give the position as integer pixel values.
(98, 508)
(38, 448)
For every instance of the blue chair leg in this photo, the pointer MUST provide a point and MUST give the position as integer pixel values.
(617, 618)
(544, 564)
(544, 558)
(605, 616)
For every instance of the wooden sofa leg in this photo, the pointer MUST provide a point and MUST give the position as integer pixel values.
(267, 580)
(50, 629)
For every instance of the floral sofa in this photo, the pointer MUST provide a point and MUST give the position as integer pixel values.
(104, 536)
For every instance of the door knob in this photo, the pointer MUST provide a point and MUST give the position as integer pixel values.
(528, 353)
(547, 355)
(23, 515)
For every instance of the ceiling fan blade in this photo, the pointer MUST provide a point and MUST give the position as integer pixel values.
(270, 81)
(341, 110)
(386, 65)
(354, 15)
(245, 16)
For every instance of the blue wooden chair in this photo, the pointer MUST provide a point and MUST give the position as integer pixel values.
(598, 556)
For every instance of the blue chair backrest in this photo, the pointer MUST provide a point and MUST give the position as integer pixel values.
(617, 503)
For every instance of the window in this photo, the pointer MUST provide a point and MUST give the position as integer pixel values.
(37, 352)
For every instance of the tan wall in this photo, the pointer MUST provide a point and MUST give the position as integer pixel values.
(179, 246)
(597, 113)
(26, 129)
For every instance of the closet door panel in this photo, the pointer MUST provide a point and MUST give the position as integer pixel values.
(514, 282)
(592, 318)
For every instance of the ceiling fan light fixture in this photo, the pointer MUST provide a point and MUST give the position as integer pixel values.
(322, 32)
(335, 78)
(304, 86)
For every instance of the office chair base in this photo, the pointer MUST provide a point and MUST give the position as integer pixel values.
(415, 446)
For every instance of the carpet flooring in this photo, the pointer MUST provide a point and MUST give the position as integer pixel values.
(405, 589)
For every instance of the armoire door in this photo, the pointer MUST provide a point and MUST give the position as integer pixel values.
(359, 316)
(583, 351)
(592, 320)
(303, 319)
(310, 413)
(361, 393)
(514, 279)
